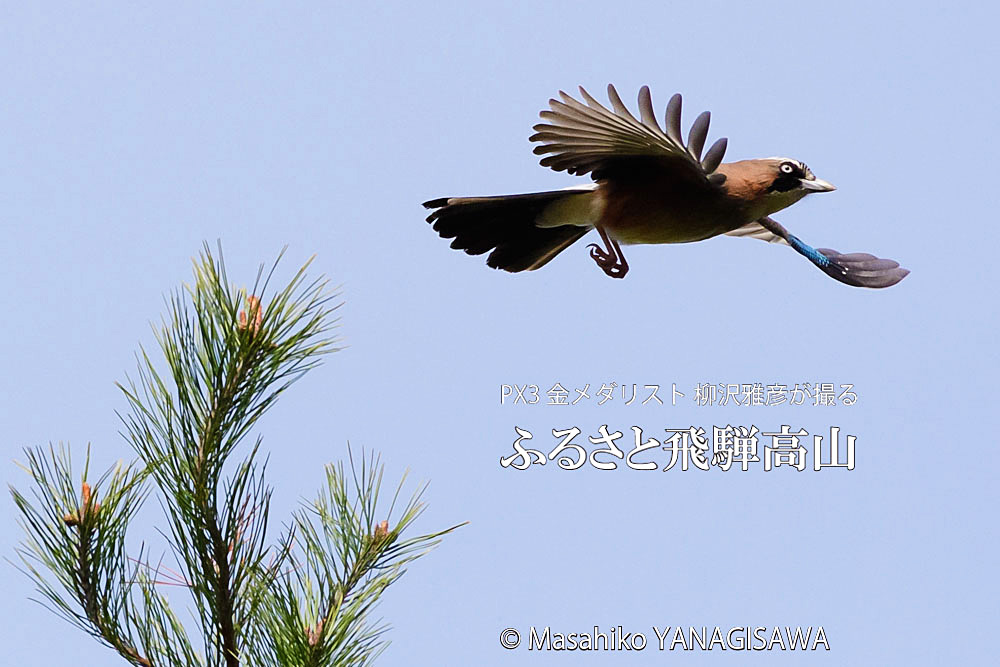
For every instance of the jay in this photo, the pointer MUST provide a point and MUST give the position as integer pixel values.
(649, 187)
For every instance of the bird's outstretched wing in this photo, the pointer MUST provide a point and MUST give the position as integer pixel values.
(858, 269)
(589, 138)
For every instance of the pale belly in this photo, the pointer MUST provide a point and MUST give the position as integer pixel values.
(647, 214)
(660, 226)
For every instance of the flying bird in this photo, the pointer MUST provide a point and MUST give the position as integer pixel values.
(649, 187)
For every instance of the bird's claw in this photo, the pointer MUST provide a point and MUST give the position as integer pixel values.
(599, 254)
(609, 262)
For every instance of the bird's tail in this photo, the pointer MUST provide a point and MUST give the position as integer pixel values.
(524, 231)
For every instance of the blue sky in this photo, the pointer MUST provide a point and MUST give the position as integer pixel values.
(130, 135)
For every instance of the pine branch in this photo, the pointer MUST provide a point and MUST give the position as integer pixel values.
(317, 612)
(229, 356)
(81, 542)
(305, 600)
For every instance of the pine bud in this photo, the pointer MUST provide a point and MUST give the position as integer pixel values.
(382, 530)
(256, 314)
(313, 634)
(90, 504)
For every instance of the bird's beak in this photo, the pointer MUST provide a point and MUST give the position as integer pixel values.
(817, 185)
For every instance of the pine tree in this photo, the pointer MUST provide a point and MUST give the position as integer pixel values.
(304, 598)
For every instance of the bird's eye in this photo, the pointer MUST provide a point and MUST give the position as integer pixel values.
(787, 168)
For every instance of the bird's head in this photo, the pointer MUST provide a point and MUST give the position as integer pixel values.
(789, 175)
(771, 184)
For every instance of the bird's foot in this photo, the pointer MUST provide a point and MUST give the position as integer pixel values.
(611, 263)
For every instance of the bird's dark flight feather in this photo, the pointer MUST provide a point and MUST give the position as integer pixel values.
(858, 269)
(506, 225)
(612, 143)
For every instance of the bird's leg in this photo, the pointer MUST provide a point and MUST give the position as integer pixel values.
(610, 258)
